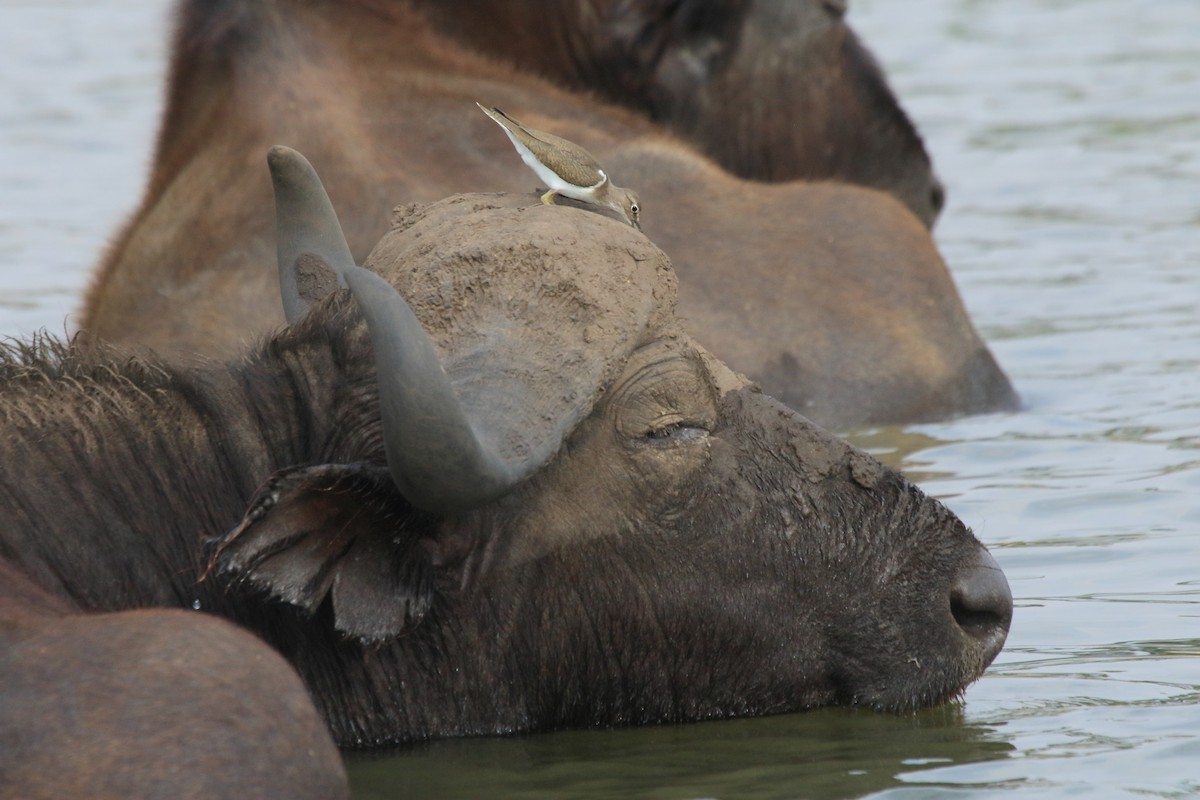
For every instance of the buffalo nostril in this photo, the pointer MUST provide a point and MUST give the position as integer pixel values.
(981, 601)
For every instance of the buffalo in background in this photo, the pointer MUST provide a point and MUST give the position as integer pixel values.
(522, 500)
(771, 91)
(832, 296)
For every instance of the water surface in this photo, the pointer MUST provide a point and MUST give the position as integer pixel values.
(1068, 133)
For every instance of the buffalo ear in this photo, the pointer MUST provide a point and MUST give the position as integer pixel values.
(337, 531)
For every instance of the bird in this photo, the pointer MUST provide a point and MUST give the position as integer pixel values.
(567, 168)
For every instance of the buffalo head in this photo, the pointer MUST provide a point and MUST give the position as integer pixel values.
(564, 511)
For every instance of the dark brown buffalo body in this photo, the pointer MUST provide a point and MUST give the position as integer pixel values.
(770, 90)
(667, 543)
(148, 703)
(833, 297)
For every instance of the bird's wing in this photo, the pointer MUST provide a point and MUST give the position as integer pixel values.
(579, 167)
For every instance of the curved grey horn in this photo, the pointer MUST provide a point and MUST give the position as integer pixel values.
(311, 242)
(438, 459)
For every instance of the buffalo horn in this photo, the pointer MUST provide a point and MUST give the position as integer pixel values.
(439, 459)
(312, 248)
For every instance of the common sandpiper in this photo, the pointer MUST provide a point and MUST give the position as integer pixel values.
(567, 169)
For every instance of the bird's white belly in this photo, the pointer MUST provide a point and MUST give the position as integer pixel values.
(551, 178)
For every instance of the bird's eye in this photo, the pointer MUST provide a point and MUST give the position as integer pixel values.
(635, 209)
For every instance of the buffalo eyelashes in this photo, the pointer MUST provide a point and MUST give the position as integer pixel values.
(675, 432)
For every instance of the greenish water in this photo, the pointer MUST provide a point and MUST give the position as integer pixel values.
(824, 754)
(1068, 134)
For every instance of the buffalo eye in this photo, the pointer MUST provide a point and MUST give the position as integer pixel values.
(665, 400)
(675, 432)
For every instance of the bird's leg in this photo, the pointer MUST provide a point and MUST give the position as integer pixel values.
(548, 198)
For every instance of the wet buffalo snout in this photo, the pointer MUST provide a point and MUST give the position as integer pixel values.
(982, 603)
